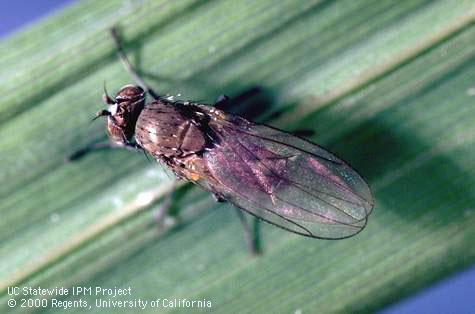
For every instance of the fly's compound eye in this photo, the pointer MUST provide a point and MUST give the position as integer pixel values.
(130, 93)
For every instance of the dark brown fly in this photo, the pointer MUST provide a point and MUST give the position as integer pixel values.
(273, 175)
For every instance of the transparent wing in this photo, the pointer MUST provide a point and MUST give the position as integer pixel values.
(287, 181)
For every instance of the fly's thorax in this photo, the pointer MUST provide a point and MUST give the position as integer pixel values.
(171, 131)
(123, 113)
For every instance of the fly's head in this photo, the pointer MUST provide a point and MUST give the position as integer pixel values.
(123, 113)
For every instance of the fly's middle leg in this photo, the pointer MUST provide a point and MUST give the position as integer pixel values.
(222, 102)
(161, 213)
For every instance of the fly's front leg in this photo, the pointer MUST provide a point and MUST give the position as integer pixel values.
(80, 153)
(129, 67)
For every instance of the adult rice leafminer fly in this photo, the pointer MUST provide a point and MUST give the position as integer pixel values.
(273, 175)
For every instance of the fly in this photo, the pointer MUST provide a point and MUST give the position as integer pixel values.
(278, 177)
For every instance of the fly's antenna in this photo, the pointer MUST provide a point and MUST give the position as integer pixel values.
(128, 66)
(105, 97)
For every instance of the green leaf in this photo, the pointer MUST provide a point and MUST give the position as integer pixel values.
(388, 86)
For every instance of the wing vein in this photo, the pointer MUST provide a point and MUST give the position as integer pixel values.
(299, 186)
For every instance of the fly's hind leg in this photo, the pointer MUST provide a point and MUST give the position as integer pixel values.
(251, 233)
